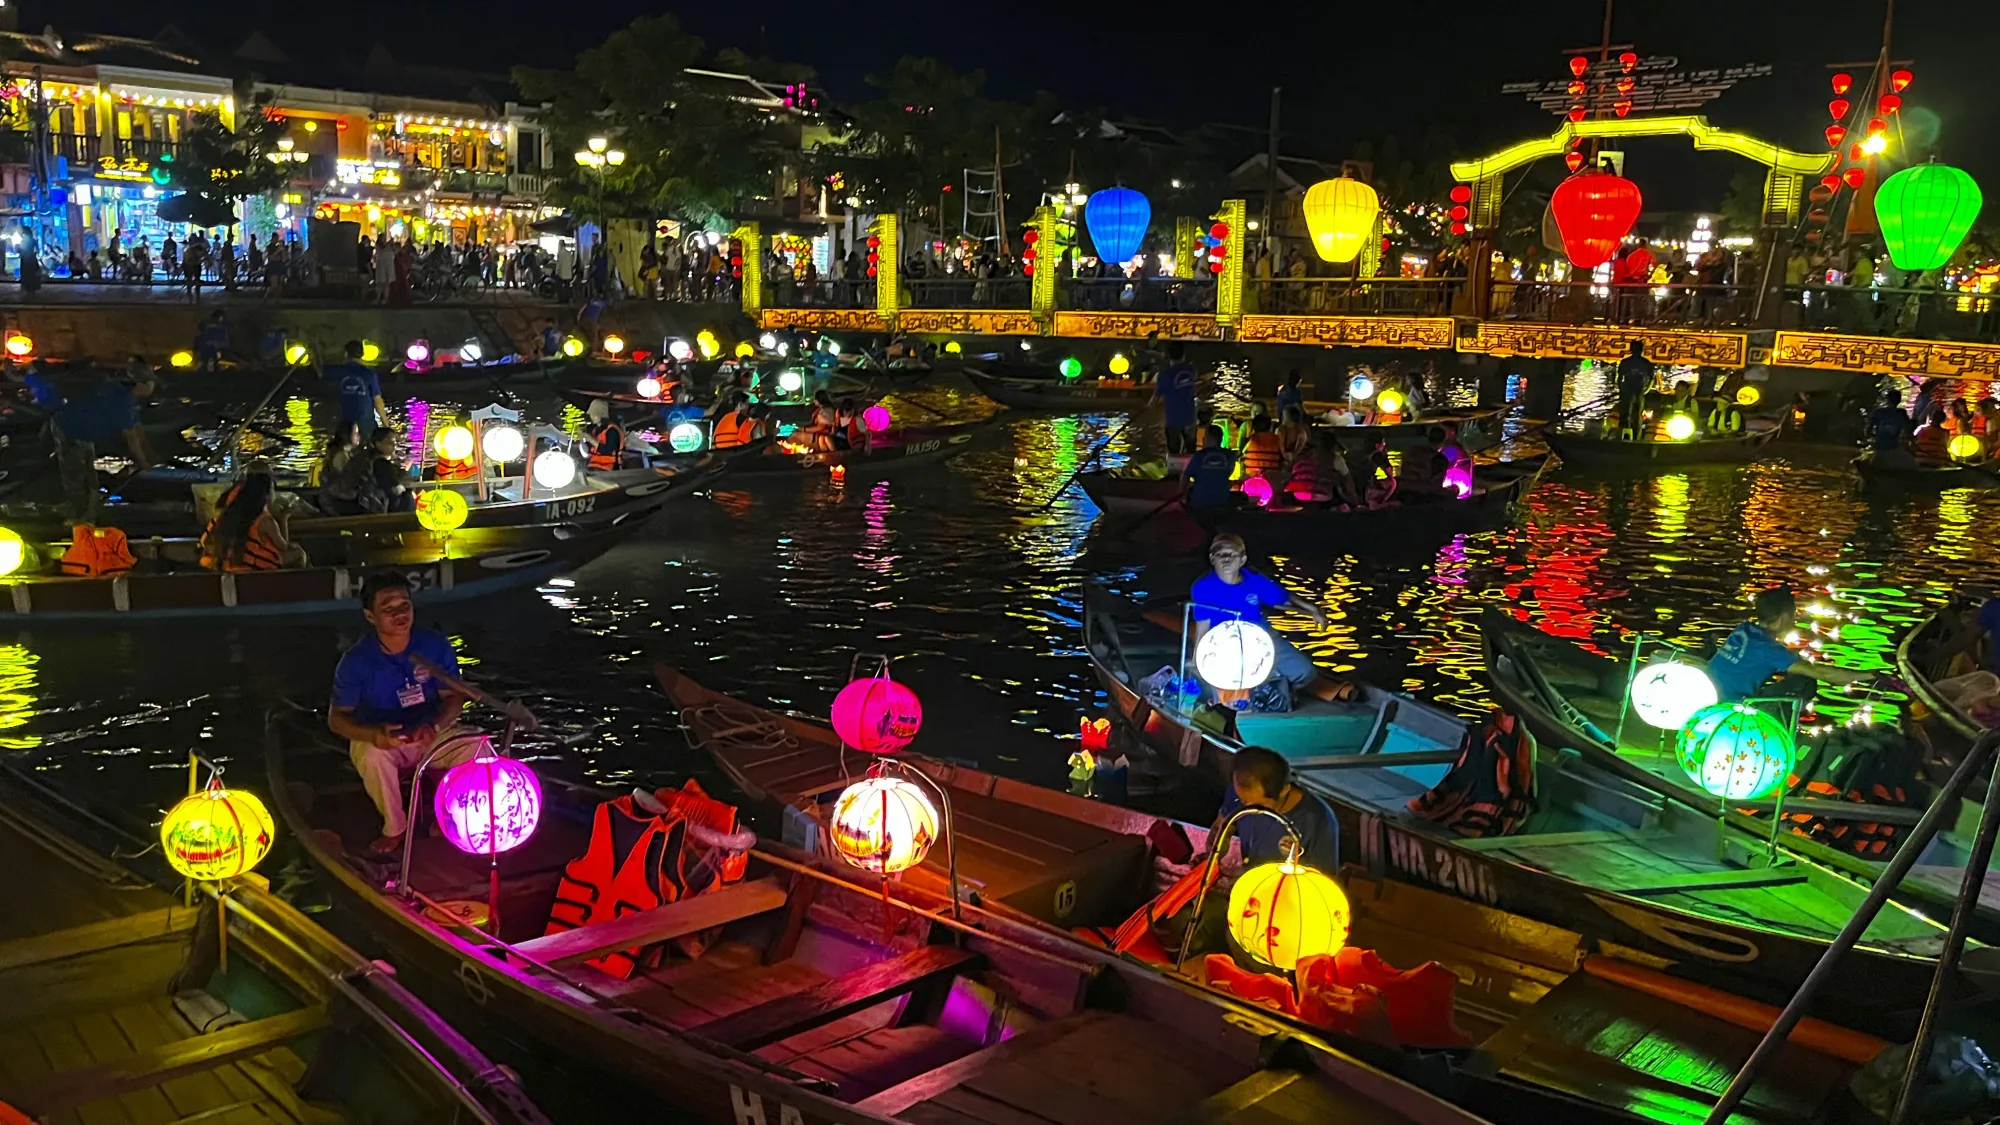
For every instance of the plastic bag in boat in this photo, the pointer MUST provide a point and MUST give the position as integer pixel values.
(1958, 1077)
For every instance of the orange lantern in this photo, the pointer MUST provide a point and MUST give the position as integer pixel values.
(1899, 80)
(1843, 82)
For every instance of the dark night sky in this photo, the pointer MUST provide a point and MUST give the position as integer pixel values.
(1349, 70)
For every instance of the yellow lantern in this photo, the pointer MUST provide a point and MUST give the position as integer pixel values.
(441, 510)
(1119, 364)
(1680, 427)
(454, 443)
(371, 352)
(709, 345)
(1341, 216)
(1747, 395)
(296, 353)
(14, 551)
(1390, 402)
(745, 350)
(20, 345)
(1965, 447)
(182, 359)
(1282, 913)
(216, 834)
(572, 347)
(614, 344)
(883, 824)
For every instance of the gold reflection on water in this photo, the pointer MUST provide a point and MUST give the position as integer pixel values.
(17, 697)
(1954, 529)
(307, 443)
(1670, 500)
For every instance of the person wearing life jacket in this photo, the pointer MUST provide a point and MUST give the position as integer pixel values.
(1931, 444)
(1263, 453)
(740, 426)
(244, 535)
(607, 437)
(1320, 475)
(1724, 416)
(849, 430)
(95, 552)
(638, 859)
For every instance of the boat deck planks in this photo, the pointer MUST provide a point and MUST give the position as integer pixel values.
(62, 898)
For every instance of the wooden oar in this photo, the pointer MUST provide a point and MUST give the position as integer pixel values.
(1095, 453)
(516, 714)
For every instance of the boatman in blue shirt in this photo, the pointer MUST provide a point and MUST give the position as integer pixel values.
(1234, 592)
(390, 707)
(360, 390)
(1207, 481)
(1752, 655)
(1175, 390)
(106, 413)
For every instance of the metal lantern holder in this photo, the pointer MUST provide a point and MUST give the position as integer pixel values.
(1217, 844)
(873, 665)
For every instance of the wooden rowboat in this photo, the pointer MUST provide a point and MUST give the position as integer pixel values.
(1478, 427)
(122, 1005)
(1920, 479)
(817, 999)
(1057, 394)
(886, 452)
(171, 585)
(1608, 453)
(1534, 1000)
(1602, 855)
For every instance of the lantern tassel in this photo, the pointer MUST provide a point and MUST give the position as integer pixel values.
(221, 934)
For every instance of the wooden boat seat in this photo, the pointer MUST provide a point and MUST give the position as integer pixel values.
(923, 968)
(662, 923)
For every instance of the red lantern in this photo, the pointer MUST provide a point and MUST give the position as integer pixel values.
(1593, 212)
(1218, 253)
(1837, 108)
(1888, 103)
(1830, 181)
(1576, 113)
(1625, 85)
(871, 271)
(1855, 154)
(1573, 159)
(1576, 89)
(1877, 125)
(1028, 255)
(873, 242)
(1628, 60)
(1855, 177)
(1461, 213)
(1835, 134)
(1578, 64)
(1843, 82)
(1622, 106)
(1899, 80)
(1032, 237)
(1814, 236)
(1459, 228)
(1816, 216)
(1461, 194)
(1219, 231)
(1821, 193)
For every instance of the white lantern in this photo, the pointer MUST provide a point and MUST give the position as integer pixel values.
(1235, 655)
(649, 386)
(503, 443)
(768, 341)
(790, 382)
(555, 469)
(680, 350)
(883, 824)
(471, 352)
(1667, 693)
(831, 345)
(686, 437)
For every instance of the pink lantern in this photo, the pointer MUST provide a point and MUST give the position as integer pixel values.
(1458, 478)
(489, 804)
(877, 715)
(1258, 488)
(876, 418)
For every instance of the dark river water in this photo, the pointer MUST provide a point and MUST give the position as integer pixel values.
(971, 580)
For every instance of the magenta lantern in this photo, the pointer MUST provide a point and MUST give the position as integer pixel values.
(877, 715)
(489, 804)
(1258, 488)
(1458, 479)
(876, 418)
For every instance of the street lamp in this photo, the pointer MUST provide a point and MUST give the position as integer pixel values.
(615, 157)
(597, 153)
(598, 144)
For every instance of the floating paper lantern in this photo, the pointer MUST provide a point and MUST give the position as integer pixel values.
(1680, 427)
(686, 437)
(1593, 211)
(489, 804)
(1257, 487)
(441, 510)
(877, 715)
(182, 359)
(1117, 218)
(503, 443)
(1747, 395)
(681, 350)
(555, 469)
(1390, 402)
(614, 344)
(453, 443)
(217, 833)
(1965, 447)
(1071, 367)
(418, 351)
(572, 347)
(1736, 752)
(791, 382)
(876, 418)
(1458, 478)
(1926, 212)
(1341, 215)
(1667, 693)
(1283, 913)
(1235, 656)
(13, 550)
(1119, 365)
(883, 824)
(649, 386)
(1361, 388)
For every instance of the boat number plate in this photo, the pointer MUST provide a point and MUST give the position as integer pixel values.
(569, 509)
(1441, 866)
(748, 1107)
(917, 448)
(1065, 899)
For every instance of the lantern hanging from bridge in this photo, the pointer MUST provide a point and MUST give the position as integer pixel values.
(1117, 218)
(1341, 215)
(1593, 211)
(1926, 211)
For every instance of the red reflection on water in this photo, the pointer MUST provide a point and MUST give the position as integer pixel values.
(1561, 581)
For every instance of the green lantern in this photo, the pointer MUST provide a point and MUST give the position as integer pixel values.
(1070, 367)
(1925, 212)
(1736, 752)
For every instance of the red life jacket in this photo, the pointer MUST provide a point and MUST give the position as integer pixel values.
(97, 551)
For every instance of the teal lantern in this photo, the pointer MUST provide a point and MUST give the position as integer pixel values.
(1736, 752)
(1070, 367)
(1926, 212)
(1117, 218)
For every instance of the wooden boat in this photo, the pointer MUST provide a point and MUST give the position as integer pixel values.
(1058, 394)
(1936, 478)
(1600, 452)
(1478, 427)
(1534, 999)
(886, 452)
(1602, 855)
(817, 999)
(125, 1006)
(1920, 665)
(169, 583)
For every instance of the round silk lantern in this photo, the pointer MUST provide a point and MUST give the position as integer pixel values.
(217, 833)
(554, 469)
(1736, 752)
(1964, 447)
(1926, 212)
(884, 825)
(1680, 427)
(1258, 488)
(1748, 395)
(1117, 218)
(1119, 365)
(681, 350)
(876, 418)
(454, 443)
(1458, 478)
(686, 437)
(877, 715)
(14, 552)
(1070, 367)
(1341, 215)
(1361, 388)
(441, 510)
(1390, 402)
(1282, 913)
(1667, 693)
(503, 443)
(572, 347)
(649, 386)
(489, 804)
(1593, 211)
(790, 382)
(1235, 656)
(614, 344)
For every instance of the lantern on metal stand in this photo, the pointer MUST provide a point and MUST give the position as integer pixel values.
(1279, 913)
(886, 823)
(214, 834)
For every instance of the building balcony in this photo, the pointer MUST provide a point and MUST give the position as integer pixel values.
(148, 149)
(80, 149)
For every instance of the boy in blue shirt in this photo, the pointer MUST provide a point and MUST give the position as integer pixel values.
(1206, 483)
(1752, 654)
(391, 708)
(1233, 592)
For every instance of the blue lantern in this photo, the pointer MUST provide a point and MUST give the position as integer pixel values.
(1117, 218)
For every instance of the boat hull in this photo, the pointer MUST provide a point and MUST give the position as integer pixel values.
(1590, 452)
(1058, 395)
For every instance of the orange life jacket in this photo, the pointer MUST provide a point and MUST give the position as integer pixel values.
(260, 551)
(1263, 455)
(607, 445)
(734, 430)
(448, 469)
(97, 551)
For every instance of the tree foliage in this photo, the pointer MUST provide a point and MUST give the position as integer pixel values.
(216, 166)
